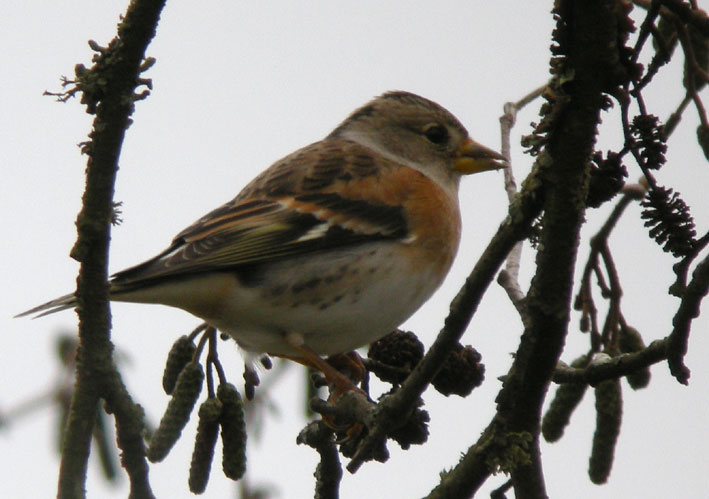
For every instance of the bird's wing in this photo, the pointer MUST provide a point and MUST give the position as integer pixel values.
(308, 202)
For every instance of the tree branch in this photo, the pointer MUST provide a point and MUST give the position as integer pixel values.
(509, 276)
(108, 90)
(599, 242)
(588, 41)
(688, 310)
(329, 472)
(613, 367)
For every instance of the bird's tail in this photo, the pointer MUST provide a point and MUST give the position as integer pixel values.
(55, 305)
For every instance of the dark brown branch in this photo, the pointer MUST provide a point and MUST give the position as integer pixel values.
(653, 9)
(614, 367)
(350, 407)
(630, 193)
(329, 472)
(680, 14)
(471, 471)
(676, 116)
(130, 426)
(682, 268)
(688, 310)
(118, 68)
(599, 243)
(499, 493)
(609, 334)
(673, 348)
(590, 53)
(591, 34)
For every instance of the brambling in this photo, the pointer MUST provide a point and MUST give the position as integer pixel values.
(330, 248)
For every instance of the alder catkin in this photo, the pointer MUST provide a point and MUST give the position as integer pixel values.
(566, 399)
(609, 414)
(233, 431)
(184, 397)
(206, 439)
(179, 356)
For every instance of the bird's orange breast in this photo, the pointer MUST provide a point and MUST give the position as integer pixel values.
(432, 215)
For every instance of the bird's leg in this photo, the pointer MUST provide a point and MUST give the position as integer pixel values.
(338, 381)
(350, 364)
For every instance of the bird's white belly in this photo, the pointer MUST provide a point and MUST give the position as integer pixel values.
(337, 303)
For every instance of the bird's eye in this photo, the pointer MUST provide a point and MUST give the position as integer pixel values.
(438, 134)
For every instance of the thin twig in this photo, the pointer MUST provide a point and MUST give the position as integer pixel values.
(692, 70)
(609, 334)
(584, 299)
(614, 367)
(688, 310)
(329, 471)
(509, 277)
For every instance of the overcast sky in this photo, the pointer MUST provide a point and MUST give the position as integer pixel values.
(240, 84)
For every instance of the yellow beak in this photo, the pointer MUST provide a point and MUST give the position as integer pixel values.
(474, 158)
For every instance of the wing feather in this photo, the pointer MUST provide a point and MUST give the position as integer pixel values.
(262, 224)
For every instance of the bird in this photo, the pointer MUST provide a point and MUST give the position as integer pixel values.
(330, 248)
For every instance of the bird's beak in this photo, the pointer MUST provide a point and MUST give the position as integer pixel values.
(474, 158)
